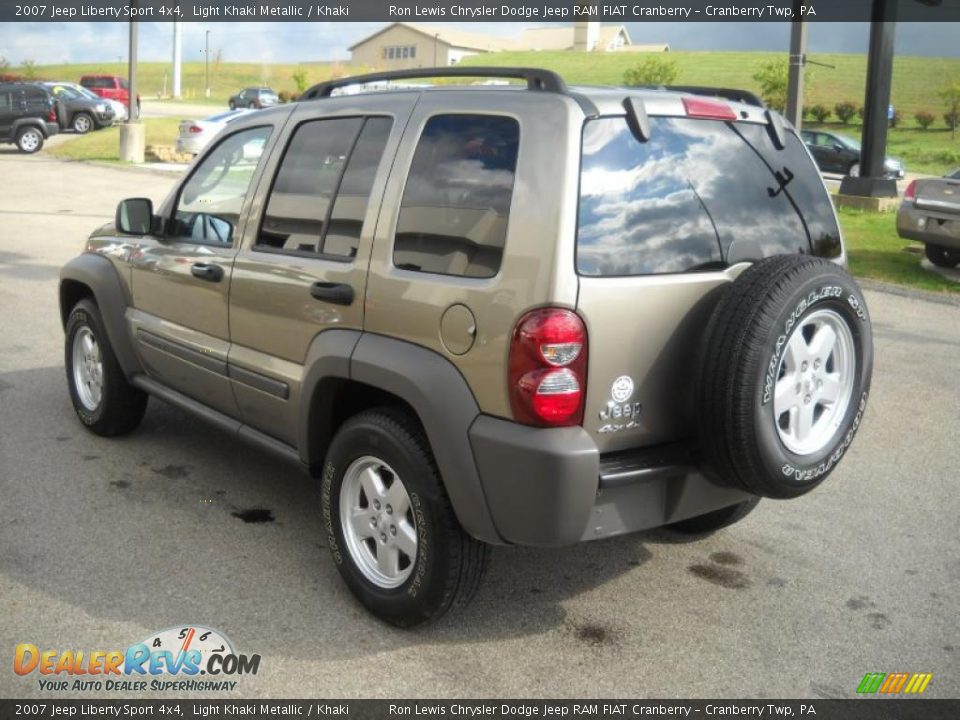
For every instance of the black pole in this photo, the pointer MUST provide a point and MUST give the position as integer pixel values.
(876, 104)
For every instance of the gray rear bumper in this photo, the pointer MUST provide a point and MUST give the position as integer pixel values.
(551, 487)
(929, 226)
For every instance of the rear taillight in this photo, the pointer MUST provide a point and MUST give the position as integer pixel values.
(52, 115)
(708, 109)
(911, 192)
(548, 368)
(196, 129)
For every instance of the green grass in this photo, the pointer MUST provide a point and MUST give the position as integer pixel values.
(877, 252)
(104, 145)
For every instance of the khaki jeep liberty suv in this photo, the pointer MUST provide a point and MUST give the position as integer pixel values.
(489, 315)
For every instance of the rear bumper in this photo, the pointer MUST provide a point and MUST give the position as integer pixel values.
(551, 487)
(927, 226)
(51, 128)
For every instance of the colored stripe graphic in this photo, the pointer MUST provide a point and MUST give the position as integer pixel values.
(894, 683)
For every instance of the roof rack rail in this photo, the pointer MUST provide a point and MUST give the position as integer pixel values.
(741, 96)
(540, 80)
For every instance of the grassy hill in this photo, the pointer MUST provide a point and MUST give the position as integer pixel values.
(916, 80)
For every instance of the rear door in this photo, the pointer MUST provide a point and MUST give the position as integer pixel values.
(662, 225)
(7, 111)
(303, 265)
(181, 278)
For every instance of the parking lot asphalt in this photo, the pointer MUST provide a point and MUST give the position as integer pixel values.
(103, 542)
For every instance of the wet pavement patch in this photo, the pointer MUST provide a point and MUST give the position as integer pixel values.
(173, 472)
(722, 576)
(120, 483)
(254, 515)
(593, 635)
(726, 558)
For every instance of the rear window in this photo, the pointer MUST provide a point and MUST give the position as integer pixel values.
(696, 194)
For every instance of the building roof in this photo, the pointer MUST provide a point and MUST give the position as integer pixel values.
(454, 38)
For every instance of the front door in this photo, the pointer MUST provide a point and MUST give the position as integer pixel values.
(181, 278)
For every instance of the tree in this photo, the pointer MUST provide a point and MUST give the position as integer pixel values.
(652, 71)
(924, 119)
(29, 68)
(951, 96)
(300, 80)
(772, 78)
(820, 113)
(845, 111)
(4, 63)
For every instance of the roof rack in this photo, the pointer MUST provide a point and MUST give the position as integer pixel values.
(741, 96)
(539, 80)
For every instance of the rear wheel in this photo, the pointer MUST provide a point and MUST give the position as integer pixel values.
(786, 371)
(390, 527)
(102, 398)
(252, 105)
(82, 123)
(29, 140)
(233, 105)
(941, 256)
(716, 520)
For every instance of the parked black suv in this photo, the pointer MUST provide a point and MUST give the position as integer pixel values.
(28, 115)
(78, 112)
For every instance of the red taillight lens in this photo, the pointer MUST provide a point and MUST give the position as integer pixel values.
(52, 115)
(196, 129)
(911, 192)
(548, 368)
(708, 109)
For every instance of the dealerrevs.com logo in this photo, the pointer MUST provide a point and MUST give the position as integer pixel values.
(178, 659)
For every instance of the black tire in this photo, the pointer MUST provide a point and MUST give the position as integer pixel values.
(121, 406)
(449, 564)
(716, 520)
(82, 123)
(29, 140)
(746, 347)
(941, 256)
(233, 105)
(252, 105)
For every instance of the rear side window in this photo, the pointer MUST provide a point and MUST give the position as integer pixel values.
(697, 194)
(6, 100)
(456, 203)
(321, 191)
(37, 100)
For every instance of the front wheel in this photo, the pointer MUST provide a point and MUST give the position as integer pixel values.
(390, 527)
(29, 140)
(233, 105)
(102, 398)
(82, 123)
(854, 170)
(941, 256)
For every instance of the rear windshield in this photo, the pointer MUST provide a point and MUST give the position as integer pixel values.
(697, 194)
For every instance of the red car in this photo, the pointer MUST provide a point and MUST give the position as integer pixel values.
(111, 87)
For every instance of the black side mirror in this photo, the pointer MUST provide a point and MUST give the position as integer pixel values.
(135, 216)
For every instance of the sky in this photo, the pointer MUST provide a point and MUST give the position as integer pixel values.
(54, 43)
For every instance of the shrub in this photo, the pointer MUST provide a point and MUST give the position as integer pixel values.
(652, 71)
(951, 97)
(924, 119)
(820, 113)
(845, 111)
(772, 79)
(952, 119)
(284, 96)
(300, 79)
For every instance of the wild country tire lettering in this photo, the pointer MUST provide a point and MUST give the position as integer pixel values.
(773, 367)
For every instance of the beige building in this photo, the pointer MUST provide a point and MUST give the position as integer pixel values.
(407, 45)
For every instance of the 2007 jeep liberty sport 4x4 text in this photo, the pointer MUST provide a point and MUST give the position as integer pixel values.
(489, 315)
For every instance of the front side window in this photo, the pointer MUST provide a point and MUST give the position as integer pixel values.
(456, 203)
(695, 195)
(320, 193)
(210, 202)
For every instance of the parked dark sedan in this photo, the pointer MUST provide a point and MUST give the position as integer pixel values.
(841, 154)
(254, 98)
(930, 213)
(78, 111)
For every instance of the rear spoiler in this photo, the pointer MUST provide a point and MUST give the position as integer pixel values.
(741, 96)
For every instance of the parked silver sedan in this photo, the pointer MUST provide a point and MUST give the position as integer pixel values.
(930, 213)
(195, 135)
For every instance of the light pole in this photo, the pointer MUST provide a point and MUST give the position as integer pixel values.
(177, 57)
(132, 138)
(798, 58)
(206, 54)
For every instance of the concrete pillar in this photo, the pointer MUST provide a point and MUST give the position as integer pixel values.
(132, 142)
